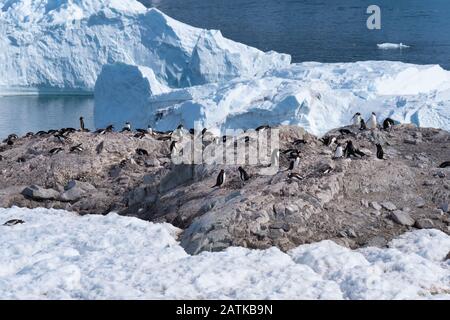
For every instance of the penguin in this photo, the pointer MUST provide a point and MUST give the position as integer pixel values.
(339, 152)
(224, 139)
(173, 147)
(380, 152)
(350, 150)
(139, 135)
(149, 130)
(9, 142)
(294, 163)
(327, 170)
(296, 176)
(21, 159)
(388, 123)
(372, 121)
(363, 125)
(109, 128)
(299, 141)
(29, 134)
(12, 136)
(52, 131)
(262, 128)
(77, 148)
(345, 131)
(243, 175)
(1, 157)
(445, 164)
(127, 127)
(220, 179)
(328, 141)
(41, 133)
(13, 222)
(357, 119)
(275, 158)
(204, 131)
(61, 138)
(55, 150)
(99, 147)
(192, 131)
(180, 127)
(82, 124)
(141, 152)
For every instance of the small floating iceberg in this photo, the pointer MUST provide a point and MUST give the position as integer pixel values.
(390, 46)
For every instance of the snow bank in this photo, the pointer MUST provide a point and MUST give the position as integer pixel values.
(59, 46)
(316, 96)
(59, 255)
(390, 46)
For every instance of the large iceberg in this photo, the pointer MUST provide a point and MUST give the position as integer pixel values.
(60, 46)
(316, 96)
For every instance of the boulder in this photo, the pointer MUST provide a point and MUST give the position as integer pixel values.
(402, 218)
(388, 206)
(424, 224)
(39, 193)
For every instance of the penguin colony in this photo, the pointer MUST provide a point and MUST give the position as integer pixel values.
(342, 149)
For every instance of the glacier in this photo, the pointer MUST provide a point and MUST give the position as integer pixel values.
(57, 254)
(60, 46)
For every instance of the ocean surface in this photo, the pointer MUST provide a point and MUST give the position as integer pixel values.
(324, 31)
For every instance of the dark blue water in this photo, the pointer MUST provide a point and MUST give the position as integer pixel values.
(325, 30)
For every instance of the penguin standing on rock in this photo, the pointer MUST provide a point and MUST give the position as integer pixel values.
(373, 121)
(82, 124)
(243, 175)
(380, 152)
(77, 148)
(294, 163)
(363, 125)
(357, 119)
(388, 123)
(127, 127)
(220, 179)
(350, 150)
(339, 152)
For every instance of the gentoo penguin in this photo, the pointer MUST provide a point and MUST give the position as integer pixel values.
(380, 152)
(274, 158)
(55, 150)
(388, 123)
(350, 150)
(328, 141)
(345, 131)
(357, 119)
(82, 124)
(141, 152)
(372, 121)
(77, 148)
(204, 131)
(220, 179)
(29, 134)
(41, 133)
(12, 136)
(363, 125)
(140, 135)
(445, 164)
(294, 163)
(243, 175)
(52, 131)
(13, 222)
(296, 176)
(262, 128)
(339, 152)
(127, 127)
(299, 141)
(61, 138)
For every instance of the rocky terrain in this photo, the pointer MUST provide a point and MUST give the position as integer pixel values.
(355, 201)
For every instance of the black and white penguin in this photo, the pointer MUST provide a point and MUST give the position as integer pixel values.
(299, 141)
(363, 125)
(29, 134)
(21, 159)
(61, 138)
(140, 134)
(141, 152)
(345, 131)
(82, 128)
(380, 152)
(294, 163)
(77, 148)
(339, 152)
(294, 176)
(13, 222)
(243, 175)
(262, 128)
(350, 150)
(41, 133)
(445, 164)
(328, 140)
(173, 147)
(127, 127)
(12, 136)
(275, 158)
(55, 150)
(204, 131)
(1, 157)
(220, 179)
(388, 123)
(357, 119)
(373, 121)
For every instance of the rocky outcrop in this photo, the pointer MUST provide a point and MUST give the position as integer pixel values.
(353, 201)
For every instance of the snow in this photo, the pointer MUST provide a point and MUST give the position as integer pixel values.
(59, 255)
(60, 46)
(390, 46)
(316, 96)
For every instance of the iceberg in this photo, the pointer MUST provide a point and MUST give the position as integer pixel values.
(316, 96)
(390, 46)
(60, 46)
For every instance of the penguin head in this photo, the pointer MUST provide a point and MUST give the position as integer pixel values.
(180, 127)
(373, 113)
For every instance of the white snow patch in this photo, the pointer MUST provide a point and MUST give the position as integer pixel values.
(59, 255)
